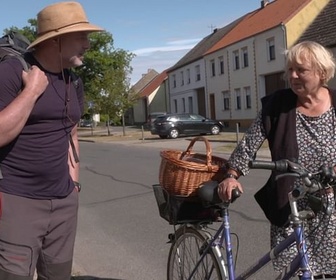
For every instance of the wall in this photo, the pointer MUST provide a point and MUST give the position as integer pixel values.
(187, 89)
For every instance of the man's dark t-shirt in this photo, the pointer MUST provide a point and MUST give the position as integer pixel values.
(35, 164)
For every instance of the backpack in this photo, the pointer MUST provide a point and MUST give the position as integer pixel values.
(14, 44)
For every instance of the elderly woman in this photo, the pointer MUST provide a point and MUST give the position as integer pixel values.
(299, 123)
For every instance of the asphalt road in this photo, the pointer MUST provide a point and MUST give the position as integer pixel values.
(120, 234)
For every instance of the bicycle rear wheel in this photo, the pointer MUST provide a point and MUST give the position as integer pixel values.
(185, 252)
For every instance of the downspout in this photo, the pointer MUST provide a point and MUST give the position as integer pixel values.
(207, 103)
(284, 30)
(229, 87)
(283, 27)
(256, 77)
(167, 95)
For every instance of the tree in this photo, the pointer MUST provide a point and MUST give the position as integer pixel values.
(28, 31)
(105, 74)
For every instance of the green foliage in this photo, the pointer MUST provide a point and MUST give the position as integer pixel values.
(105, 74)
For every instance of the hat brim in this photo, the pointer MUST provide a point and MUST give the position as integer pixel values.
(85, 27)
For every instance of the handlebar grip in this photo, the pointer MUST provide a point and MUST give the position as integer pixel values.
(235, 194)
(279, 165)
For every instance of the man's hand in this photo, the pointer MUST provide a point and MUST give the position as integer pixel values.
(35, 81)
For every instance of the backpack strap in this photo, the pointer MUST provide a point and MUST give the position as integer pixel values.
(7, 52)
(75, 81)
(24, 63)
(74, 152)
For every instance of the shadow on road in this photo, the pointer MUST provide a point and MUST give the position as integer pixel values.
(91, 278)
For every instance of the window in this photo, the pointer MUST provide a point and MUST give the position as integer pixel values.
(271, 49)
(198, 72)
(174, 81)
(213, 68)
(188, 76)
(183, 105)
(235, 60)
(245, 57)
(175, 105)
(247, 93)
(182, 78)
(190, 104)
(226, 99)
(221, 65)
(238, 98)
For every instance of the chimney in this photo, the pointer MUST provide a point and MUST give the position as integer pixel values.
(263, 3)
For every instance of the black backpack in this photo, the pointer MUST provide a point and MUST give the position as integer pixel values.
(14, 44)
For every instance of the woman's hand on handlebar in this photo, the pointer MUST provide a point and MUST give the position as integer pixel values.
(226, 186)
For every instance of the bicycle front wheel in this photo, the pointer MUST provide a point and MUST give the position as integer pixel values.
(185, 252)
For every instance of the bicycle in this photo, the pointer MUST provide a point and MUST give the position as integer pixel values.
(196, 253)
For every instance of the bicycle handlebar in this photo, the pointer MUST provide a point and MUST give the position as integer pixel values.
(313, 182)
(290, 168)
(280, 165)
(324, 178)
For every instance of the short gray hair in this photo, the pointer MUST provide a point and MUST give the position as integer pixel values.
(321, 58)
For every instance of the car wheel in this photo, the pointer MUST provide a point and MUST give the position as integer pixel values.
(215, 130)
(163, 136)
(174, 133)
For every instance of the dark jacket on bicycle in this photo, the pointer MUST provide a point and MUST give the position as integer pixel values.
(279, 121)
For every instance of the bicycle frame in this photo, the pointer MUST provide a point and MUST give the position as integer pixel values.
(215, 244)
(300, 262)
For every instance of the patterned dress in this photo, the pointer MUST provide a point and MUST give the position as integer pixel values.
(316, 137)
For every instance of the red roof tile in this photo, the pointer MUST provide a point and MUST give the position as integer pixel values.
(270, 16)
(153, 85)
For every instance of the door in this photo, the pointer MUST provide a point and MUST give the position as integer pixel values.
(212, 107)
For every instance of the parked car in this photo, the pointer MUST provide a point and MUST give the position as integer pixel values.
(86, 123)
(151, 118)
(174, 125)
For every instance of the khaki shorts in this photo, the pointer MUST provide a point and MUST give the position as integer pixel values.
(37, 234)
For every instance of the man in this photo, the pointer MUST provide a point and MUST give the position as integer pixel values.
(39, 112)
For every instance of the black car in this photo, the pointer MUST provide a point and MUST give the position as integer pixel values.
(174, 125)
(86, 123)
(151, 118)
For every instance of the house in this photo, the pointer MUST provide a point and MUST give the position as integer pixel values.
(186, 85)
(323, 31)
(229, 77)
(134, 115)
(152, 98)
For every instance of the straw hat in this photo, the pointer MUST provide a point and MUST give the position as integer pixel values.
(61, 18)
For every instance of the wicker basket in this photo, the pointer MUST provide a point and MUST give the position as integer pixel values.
(182, 172)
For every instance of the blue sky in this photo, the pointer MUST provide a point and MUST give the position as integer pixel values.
(159, 32)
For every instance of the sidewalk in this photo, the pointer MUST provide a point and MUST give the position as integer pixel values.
(223, 143)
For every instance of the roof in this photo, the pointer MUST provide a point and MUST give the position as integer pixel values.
(153, 85)
(323, 28)
(207, 42)
(145, 80)
(273, 14)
